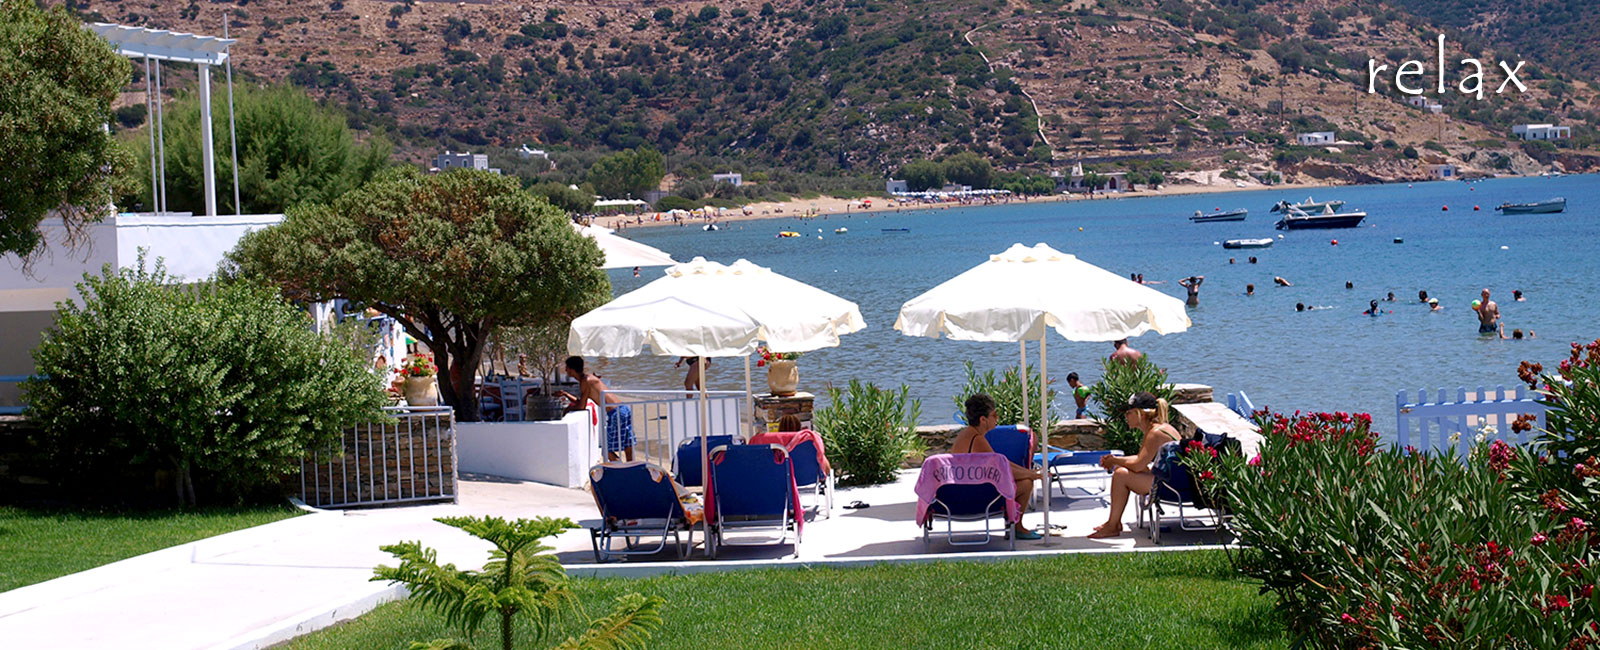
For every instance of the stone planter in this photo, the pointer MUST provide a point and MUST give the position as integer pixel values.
(422, 391)
(783, 377)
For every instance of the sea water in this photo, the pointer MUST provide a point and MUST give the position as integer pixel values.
(1330, 358)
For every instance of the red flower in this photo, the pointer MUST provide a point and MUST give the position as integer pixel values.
(1538, 539)
(1347, 619)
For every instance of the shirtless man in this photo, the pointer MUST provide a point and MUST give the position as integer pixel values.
(1193, 285)
(619, 417)
(1488, 314)
(1125, 353)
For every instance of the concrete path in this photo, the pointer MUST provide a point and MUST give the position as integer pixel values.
(257, 587)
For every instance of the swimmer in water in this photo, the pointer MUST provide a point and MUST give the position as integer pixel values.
(1390, 298)
(1516, 295)
(1299, 306)
(1422, 296)
(1433, 305)
(1372, 309)
(1281, 282)
(1516, 334)
(1249, 289)
(1349, 285)
(1192, 283)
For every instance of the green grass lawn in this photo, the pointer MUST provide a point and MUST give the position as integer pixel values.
(40, 544)
(1146, 600)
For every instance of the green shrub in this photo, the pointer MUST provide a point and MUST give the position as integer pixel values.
(1366, 546)
(868, 431)
(1118, 382)
(1562, 463)
(1007, 393)
(224, 384)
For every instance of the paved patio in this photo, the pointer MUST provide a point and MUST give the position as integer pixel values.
(257, 587)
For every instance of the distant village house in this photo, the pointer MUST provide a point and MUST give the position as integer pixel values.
(526, 153)
(1315, 138)
(1425, 103)
(463, 160)
(896, 186)
(1443, 172)
(733, 178)
(1542, 132)
(1109, 181)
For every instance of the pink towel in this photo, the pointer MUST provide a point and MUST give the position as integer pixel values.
(966, 469)
(791, 439)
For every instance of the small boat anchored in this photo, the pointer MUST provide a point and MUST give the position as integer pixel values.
(840, 231)
(1298, 219)
(1308, 205)
(1264, 242)
(1231, 215)
(1548, 206)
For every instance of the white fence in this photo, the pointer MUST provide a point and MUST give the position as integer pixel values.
(664, 419)
(1428, 424)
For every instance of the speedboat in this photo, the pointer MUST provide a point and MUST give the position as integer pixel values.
(1548, 206)
(1307, 205)
(1231, 215)
(1298, 219)
(840, 231)
(1264, 242)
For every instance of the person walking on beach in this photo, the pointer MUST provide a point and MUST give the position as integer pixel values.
(1192, 283)
(619, 417)
(691, 381)
(1488, 314)
(1125, 353)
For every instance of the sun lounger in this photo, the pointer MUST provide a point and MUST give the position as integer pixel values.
(954, 488)
(811, 468)
(638, 500)
(752, 488)
(688, 457)
(1016, 443)
(1173, 485)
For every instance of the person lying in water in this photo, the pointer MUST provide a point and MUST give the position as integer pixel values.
(1516, 334)
(1131, 474)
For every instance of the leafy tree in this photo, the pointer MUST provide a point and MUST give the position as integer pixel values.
(634, 171)
(221, 381)
(574, 201)
(292, 151)
(520, 579)
(921, 175)
(968, 168)
(1119, 381)
(451, 256)
(57, 82)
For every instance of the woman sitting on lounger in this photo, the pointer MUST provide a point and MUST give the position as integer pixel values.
(1148, 414)
(981, 417)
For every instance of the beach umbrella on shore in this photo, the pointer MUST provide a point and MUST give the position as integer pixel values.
(706, 309)
(624, 253)
(1025, 292)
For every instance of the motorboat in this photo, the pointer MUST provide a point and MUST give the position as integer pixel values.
(1548, 206)
(897, 230)
(840, 231)
(1308, 205)
(1298, 219)
(1231, 215)
(1263, 242)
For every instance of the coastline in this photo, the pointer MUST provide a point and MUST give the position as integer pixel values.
(827, 205)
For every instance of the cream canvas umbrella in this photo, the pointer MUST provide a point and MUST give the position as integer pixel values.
(624, 253)
(1023, 293)
(707, 309)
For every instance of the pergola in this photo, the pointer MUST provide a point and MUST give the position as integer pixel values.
(204, 51)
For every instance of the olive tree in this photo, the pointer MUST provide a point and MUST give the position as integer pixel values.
(57, 82)
(451, 256)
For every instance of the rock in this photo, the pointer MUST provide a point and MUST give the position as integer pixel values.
(1191, 393)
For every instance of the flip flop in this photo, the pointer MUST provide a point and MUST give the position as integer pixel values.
(1028, 535)
(857, 505)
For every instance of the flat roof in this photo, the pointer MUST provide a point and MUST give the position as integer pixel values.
(164, 45)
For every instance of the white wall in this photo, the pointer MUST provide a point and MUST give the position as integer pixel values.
(558, 452)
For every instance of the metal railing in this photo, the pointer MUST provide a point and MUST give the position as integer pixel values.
(664, 419)
(409, 460)
(1435, 423)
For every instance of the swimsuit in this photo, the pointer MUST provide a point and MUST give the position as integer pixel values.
(1486, 328)
(619, 428)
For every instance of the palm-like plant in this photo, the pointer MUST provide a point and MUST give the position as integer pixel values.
(519, 578)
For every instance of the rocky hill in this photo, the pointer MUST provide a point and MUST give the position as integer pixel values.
(861, 86)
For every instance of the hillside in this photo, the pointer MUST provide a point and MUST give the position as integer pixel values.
(860, 87)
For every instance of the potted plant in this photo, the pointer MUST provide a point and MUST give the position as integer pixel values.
(783, 370)
(422, 388)
(544, 347)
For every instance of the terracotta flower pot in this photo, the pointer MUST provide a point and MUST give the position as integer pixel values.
(783, 377)
(422, 391)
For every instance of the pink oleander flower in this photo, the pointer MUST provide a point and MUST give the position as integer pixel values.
(1539, 539)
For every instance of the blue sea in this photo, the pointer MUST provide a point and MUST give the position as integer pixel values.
(1330, 358)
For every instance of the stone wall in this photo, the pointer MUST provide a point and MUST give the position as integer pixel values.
(771, 408)
(411, 460)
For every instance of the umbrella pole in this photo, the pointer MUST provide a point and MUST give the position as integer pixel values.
(749, 398)
(1044, 436)
(705, 453)
(1022, 372)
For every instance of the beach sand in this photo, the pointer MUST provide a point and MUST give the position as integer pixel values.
(1208, 182)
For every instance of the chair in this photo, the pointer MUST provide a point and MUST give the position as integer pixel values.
(808, 473)
(636, 500)
(687, 457)
(1016, 444)
(1173, 485)
(511, 396)
(967, 503)
(752, 487)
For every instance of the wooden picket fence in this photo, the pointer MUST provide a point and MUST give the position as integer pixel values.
(1425, 424)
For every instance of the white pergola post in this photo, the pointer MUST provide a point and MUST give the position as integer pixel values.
(207, 149)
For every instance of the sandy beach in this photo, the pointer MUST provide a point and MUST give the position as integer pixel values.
(1189, 183)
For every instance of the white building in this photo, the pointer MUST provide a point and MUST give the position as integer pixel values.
(896, 186)
(462, 160)
(1443, 172)
(1542, 132)
(1109, 181)
(527, 154)
(1426, 104)
(1316, 138)
(732, 178)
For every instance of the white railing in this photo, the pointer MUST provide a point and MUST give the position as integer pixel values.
(1435, 423)
(408, 460)
(664, 419)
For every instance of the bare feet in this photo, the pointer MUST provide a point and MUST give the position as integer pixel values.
(1106, 530)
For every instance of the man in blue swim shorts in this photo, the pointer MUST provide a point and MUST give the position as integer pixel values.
(619, 417)
(1488, 314)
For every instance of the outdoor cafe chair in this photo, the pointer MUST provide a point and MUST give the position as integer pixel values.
(637, 501)
(752, 488)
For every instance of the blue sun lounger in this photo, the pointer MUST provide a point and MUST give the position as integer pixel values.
(752, 487)
(636, 501)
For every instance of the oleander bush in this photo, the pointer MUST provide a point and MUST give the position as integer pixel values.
(221, 385)
(868, 431)
(1365, 545)
(1119, 381)
(1007, 393)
